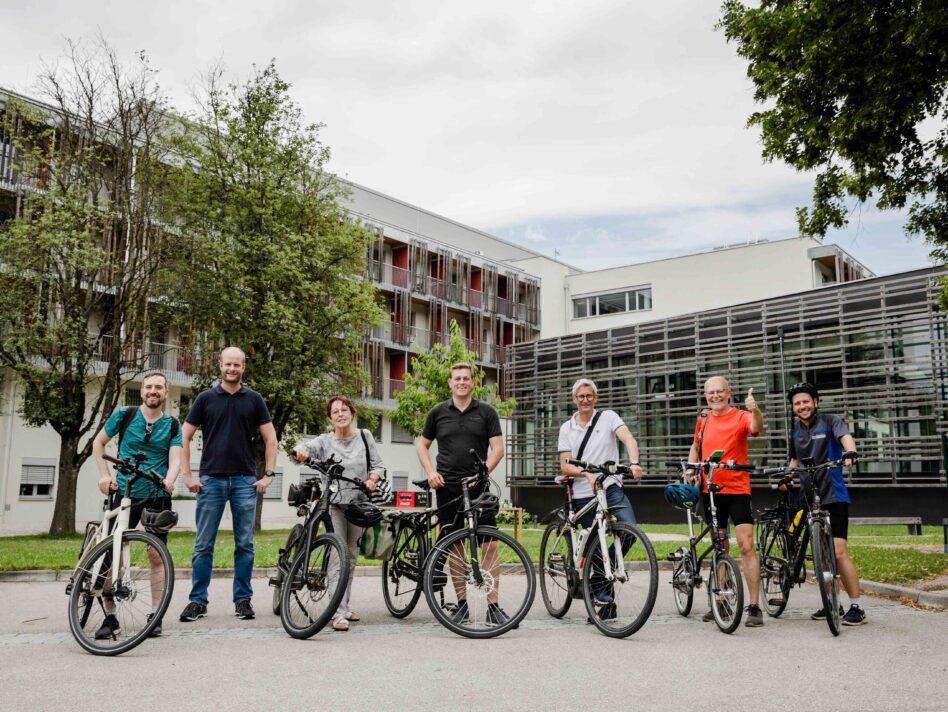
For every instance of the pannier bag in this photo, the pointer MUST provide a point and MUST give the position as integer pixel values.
(378, 540)
(300, 494)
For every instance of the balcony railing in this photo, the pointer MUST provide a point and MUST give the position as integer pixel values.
(176, 362)
(384, 388)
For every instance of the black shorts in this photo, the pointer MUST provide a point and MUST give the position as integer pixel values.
(162, 504)
(449, 512)
(839, 519)
(735, 506)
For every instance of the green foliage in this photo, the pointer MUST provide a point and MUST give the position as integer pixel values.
(857, 92)
(427, 384)
(275, 263)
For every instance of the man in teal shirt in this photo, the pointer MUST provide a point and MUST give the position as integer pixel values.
(151, 431)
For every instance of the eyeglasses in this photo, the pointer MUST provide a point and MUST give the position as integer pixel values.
(148, 428)
(586, 397)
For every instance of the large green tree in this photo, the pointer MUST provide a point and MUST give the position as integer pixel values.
(855, 91)
(80, 250)
(276, 264)
(427, 384)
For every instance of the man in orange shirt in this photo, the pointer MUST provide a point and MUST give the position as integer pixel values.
(727, 428)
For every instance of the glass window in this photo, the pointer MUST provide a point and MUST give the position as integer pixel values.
(612, 303)
(644, 298)
(580, 308)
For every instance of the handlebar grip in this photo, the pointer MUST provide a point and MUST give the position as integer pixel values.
(741, 468)
(578, 463)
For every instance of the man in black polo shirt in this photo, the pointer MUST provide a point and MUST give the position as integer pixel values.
(823, 437)
(229, 415)
(460, 424)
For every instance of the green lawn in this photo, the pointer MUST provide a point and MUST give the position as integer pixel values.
(867, 547)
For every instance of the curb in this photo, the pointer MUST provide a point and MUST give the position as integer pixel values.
(932, 599)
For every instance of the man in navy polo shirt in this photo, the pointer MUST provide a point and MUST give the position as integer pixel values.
(825, 437)
(229, 415)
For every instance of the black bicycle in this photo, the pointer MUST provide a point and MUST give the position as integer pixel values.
(782, 539)
(313, 568)
(725, 584)
(478, 581)
(611, 565)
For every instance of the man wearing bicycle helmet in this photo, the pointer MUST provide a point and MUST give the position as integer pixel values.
(150, 430)
(724, 427)
(825, 437)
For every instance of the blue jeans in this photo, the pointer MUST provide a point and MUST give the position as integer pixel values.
(240, 491)
(615, 497)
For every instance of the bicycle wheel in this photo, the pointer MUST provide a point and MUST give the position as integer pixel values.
(109, 617)
(402, 573)
(683, 586)
(479, 584)
(287, 555)
(824, 571)
(773, 554)
(315, 585)
(557, 572)
(726, 588)
(92, 528)
(620, 601)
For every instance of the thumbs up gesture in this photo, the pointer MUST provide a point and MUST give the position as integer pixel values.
(750, 402)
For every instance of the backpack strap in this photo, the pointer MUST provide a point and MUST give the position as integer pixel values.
(128, 415)
(589, 431)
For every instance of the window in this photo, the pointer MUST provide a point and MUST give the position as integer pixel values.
(275, 490)
(613, 303)
(37, 478)
(399, 481)
(400, 435)
(133, 396)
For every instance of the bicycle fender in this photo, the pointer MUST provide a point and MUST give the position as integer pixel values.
(557, 515)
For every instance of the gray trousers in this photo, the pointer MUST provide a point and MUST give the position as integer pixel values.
(350, 534)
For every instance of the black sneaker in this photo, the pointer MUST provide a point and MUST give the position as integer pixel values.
(110, 626)
(461, 614)
(709, 616)
(193, 611)
(820, 615)
(854, 616)
(496, 615)
(156, 631)
(607, 612)
(754, 617)
(244, 610)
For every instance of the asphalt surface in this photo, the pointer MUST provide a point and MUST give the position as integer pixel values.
(899, 660)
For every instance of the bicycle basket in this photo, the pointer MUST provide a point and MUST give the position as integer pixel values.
(159, 521)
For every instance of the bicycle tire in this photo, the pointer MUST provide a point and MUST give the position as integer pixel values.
(824, 571)
(726, 590)
(92, 528)
(630, 600)
(311, 593)
(452, 555)
(683, 587)
(402, 574)
(289, 553)
(557, 571)
(773, 555)
(131, 599)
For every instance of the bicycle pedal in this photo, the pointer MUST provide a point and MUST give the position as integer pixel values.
(276, 581)
(774, 601)
(673, 556)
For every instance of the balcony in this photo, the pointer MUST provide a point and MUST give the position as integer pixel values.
(176, 362)
(383, 389)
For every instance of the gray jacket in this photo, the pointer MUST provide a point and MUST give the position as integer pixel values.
(351, 451)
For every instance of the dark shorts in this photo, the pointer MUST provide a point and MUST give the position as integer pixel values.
(735, 506)
(449, 512)
(839, 519)
(140, 505)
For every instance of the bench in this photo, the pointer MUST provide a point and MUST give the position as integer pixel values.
(914, 524)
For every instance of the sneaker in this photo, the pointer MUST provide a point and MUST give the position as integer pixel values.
(854, 616)
(193, 611)
(461, 614)
(244, 610)
(110, 626)
(607, 612)
(709, 616)
(156, 631)
(496, 615)
(755, 618)
(820, 615)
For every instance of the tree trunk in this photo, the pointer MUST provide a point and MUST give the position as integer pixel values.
(64, 511)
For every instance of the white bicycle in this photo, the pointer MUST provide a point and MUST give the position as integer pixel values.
(122, 585)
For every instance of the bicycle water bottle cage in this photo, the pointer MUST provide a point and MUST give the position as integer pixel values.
(715, 487)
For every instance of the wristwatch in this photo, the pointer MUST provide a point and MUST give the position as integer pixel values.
(269, 473)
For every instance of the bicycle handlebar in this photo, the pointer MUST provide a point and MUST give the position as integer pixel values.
(603, 470)
(125, 465)
(332, 468)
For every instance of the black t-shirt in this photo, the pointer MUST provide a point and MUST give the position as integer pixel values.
(229, 422)
(457, 433)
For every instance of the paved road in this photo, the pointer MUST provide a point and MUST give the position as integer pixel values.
(898, 661)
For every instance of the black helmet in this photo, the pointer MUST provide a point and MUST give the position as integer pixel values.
(808, 388)
(363, 513)
(159, 521)
(488, 503)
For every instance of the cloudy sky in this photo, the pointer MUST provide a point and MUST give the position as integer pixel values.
(602, 132)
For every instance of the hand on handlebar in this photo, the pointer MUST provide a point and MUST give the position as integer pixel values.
(435, 480)
(107, 484)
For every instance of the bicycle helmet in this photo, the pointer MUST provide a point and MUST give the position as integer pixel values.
(363, 513)
(682, 496)
(159, 521)
(488, 503)
(807, 388)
